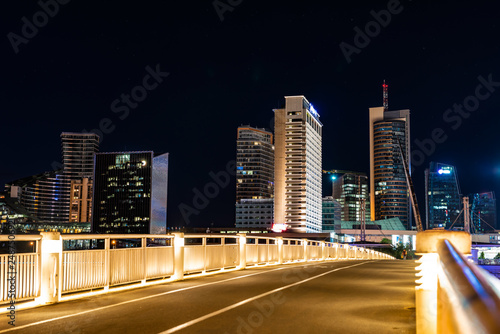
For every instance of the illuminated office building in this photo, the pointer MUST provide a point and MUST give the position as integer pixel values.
(45, 196)
(130, 193)
(254, 177)
(254, 164)
(442, 197)
(349, 189)
(78, 151)
(297, 172)
(80, 209)
(483, 211)
(254, 213)
(389, 195)
(331, 213)
(50, 196)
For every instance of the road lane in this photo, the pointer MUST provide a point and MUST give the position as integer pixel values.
(159, 308)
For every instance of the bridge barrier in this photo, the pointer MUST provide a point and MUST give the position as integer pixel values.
(454, 295)
(53, 273)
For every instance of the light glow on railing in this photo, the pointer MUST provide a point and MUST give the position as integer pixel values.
(428, 271)
(51, 246)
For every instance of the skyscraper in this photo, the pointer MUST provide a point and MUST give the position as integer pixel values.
(78, 151)
(254, 163)
(297, 172)
(483, 212)
(124, 193)
(442, 196)
(388, 187)
(55, 197)
(254, 177)
(350, 189)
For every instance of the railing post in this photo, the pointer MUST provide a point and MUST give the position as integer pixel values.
(306, 255)
(279, 240)
(223, 244)
(242, 242)
(144, 265)
(323, 250)
(107, 262)
(204, 245)
(178, 256)
(50, 268)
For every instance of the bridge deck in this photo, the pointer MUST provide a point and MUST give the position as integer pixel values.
(323, 297)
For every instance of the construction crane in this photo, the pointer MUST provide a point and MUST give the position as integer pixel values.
(413, 197)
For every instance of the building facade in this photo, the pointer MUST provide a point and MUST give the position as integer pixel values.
(80, 210)
(123, 191)
(442, 197)
(483, 211)
(78, 151)
(254, 163)
(46, 196)
(351, 190)
(331, 213)
(254, 213)
(160, 194)
(389, 194)
(254, 177)
(298, 173)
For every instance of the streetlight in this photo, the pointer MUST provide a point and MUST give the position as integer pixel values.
(333, 184)
(32, 246)
(114, 243)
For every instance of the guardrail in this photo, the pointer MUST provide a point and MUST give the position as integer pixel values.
(53, 273)
(455, 295)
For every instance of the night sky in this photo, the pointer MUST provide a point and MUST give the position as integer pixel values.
(224, 73)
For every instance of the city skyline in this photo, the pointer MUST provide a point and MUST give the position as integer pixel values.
(71, 76)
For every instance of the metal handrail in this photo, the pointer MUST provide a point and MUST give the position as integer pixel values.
(480, 302)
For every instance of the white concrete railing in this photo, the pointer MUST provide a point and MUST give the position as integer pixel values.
(51, 274)
(454, 295)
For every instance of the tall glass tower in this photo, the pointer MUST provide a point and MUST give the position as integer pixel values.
(297, 171)
(442, 197)
(349, 189)
(483, 211)
(254, 177)
(254, 164)
(389, 194)
(125, 198)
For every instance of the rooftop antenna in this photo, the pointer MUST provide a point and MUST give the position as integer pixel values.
(385, 96)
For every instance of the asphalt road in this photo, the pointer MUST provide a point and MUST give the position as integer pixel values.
(324, 297)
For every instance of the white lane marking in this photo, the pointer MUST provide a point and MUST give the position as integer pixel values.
(230, 307)
(140, 299)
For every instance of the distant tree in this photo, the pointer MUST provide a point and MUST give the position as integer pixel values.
(397, 251)
(385, 241)
(481, 256)
(497, 257)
